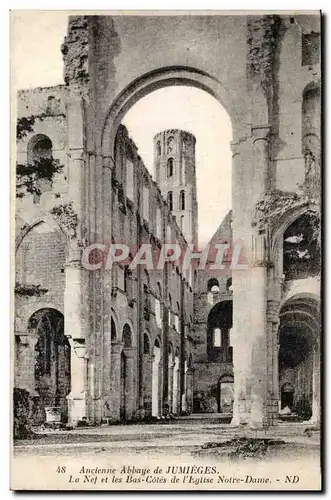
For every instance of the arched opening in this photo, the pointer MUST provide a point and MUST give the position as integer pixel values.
(286, 396)
(298, 357)
(40, 149)
(156, 379)
(301, 248)
(170, 168)
(219, 325)
(213, 290)
(113, 331)
(146, 347)
(226, 394)
(52, 363)
(158, 102)
(170, 200)
(182, 200)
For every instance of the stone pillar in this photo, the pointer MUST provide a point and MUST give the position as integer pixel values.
(241, 150)
(316, 406)
(176, 387)
(77, 407)
(27, 360)
(171, 366)
(129, 383)
(258, 335)
(147, 373)
(273, 361)
(115, 378)
(189, 390)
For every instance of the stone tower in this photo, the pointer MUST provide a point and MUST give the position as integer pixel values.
(174, 165)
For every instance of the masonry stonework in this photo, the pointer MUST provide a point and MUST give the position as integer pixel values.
(139, 344)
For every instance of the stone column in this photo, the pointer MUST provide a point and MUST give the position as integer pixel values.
(273, 361)
(77, 407)
(259, 334)
(240, 282)
(316, 406)
(129, 383)
(171, 366)
(176, 387)
(115, 378)
(27, 360)
(147, 374)
(189, 390)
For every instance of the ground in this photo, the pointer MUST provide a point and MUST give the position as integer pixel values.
(191, 436)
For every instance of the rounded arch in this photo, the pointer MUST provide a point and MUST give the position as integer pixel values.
(127, 337)
(211, 283)
(226, 377)
(283, 223)
(39, 146)
(146, 343)
(157, 343)
(45, 219)
(113, 329)
(154, 80)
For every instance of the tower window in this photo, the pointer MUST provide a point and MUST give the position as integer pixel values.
(170, 201)
(158, 148)
(182, 200)
(217, 337)
(181, 223)
(170, 167)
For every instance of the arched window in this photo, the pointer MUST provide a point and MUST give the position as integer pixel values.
(159, 290)
(158, 148)
(217, 340)
(170, 167)
(182, 200)
(127, 336)
(146, 344)
(40, 151)
(113, 330)
(170, 145)
(219, 325)
(213, 285)
(52, 104)
(39, 147)
(170, 200)
(181, 223)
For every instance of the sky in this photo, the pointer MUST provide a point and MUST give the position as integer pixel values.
(36, 38)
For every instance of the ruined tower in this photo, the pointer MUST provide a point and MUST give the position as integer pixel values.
(174, 166)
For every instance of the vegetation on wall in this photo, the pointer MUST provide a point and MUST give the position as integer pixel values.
(28, 176)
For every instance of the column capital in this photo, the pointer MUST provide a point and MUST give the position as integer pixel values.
(260, 132)
(116, 347)
(78, 345)
(129, 352)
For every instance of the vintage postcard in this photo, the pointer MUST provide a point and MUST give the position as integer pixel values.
(166, 203)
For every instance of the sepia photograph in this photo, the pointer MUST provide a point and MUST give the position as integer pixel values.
(166, 250)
